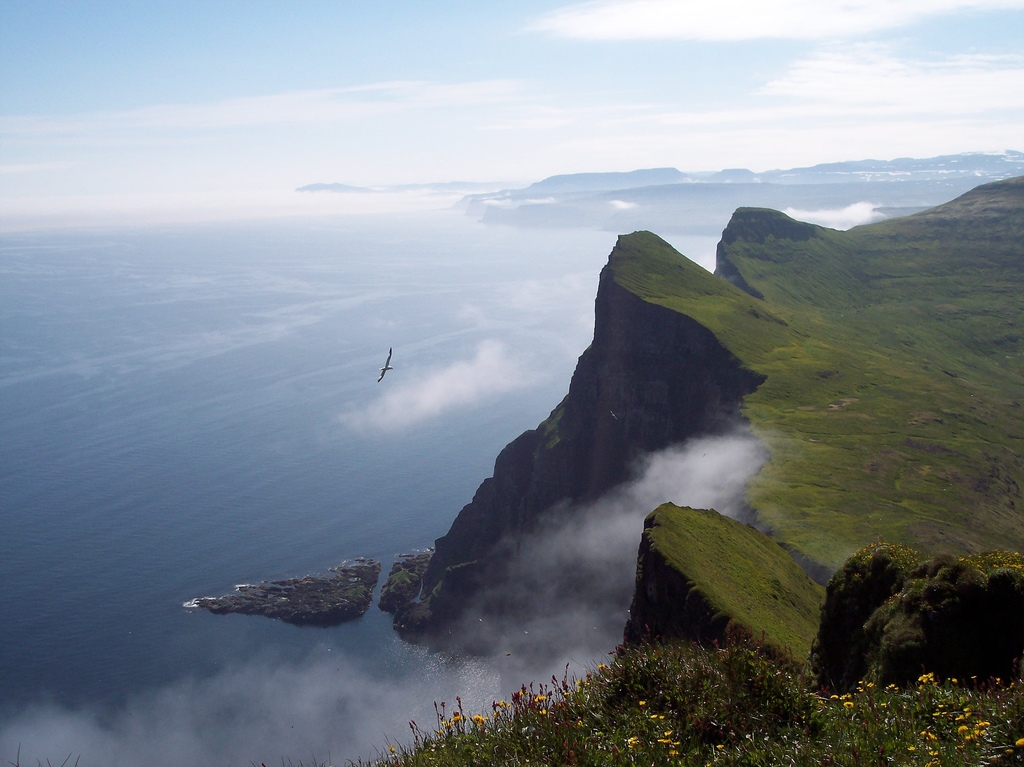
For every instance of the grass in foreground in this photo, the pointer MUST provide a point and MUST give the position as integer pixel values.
(688, 705)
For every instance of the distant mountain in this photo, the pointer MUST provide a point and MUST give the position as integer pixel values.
(444, 187)
(332, 188)
(984, 166)
(701, 203)
(601, 182)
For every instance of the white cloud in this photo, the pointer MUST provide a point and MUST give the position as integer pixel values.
(869, 77)
(840, 218)
(303, 107)
(861, 101)
(746, 19)
(463, 383)
(621, 204)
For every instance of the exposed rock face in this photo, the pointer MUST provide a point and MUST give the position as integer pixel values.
(667, 605)
(314, 600)
(652, 377)
(404, 581)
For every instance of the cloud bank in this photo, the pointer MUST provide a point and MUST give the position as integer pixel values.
(464, 383)
(277, 713)
(746, 20)
(839, 218)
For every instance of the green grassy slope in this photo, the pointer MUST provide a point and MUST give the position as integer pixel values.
(741, 573)
(894, 356)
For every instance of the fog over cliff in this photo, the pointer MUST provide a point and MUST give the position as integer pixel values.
(573, 580)
(567, 591)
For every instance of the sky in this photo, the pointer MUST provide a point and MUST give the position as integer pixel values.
(121, 110)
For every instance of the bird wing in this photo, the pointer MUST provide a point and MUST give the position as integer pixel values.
(387, 365)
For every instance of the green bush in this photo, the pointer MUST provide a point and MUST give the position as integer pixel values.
(889, 621)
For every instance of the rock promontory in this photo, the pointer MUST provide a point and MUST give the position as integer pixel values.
(701, 575)
(652, 377)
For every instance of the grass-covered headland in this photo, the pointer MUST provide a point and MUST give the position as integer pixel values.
(894, 368)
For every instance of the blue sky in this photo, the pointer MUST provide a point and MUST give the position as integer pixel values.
(122, 109)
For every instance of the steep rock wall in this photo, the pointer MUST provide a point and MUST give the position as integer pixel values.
(651, 378)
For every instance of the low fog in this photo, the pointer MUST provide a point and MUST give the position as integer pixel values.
(839, 218)
(572, 583)
(567, 593)
(465, 382)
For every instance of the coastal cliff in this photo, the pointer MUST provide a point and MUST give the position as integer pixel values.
(702, 576)
(652, 377)
(880, 367)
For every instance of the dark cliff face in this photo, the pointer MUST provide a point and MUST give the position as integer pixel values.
(666, 605)
(651, 378)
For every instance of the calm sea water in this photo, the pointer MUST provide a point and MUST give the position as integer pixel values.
(179, 413)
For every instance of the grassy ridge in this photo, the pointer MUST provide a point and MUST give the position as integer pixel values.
(895, 363)
(740, 572)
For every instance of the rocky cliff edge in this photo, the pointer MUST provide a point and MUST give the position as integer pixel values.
(651, 378)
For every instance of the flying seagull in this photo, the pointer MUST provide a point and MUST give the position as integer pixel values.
(387, 366)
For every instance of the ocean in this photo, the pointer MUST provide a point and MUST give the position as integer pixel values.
(190, 407)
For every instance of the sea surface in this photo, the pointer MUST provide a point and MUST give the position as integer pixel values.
(191, 407)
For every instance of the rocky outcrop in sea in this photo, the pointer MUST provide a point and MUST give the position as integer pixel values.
(342, 595)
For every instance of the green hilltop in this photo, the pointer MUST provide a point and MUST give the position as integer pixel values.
(893, 356)
(732, 576)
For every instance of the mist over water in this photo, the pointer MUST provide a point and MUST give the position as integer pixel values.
(188, 408)
(566, 596)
